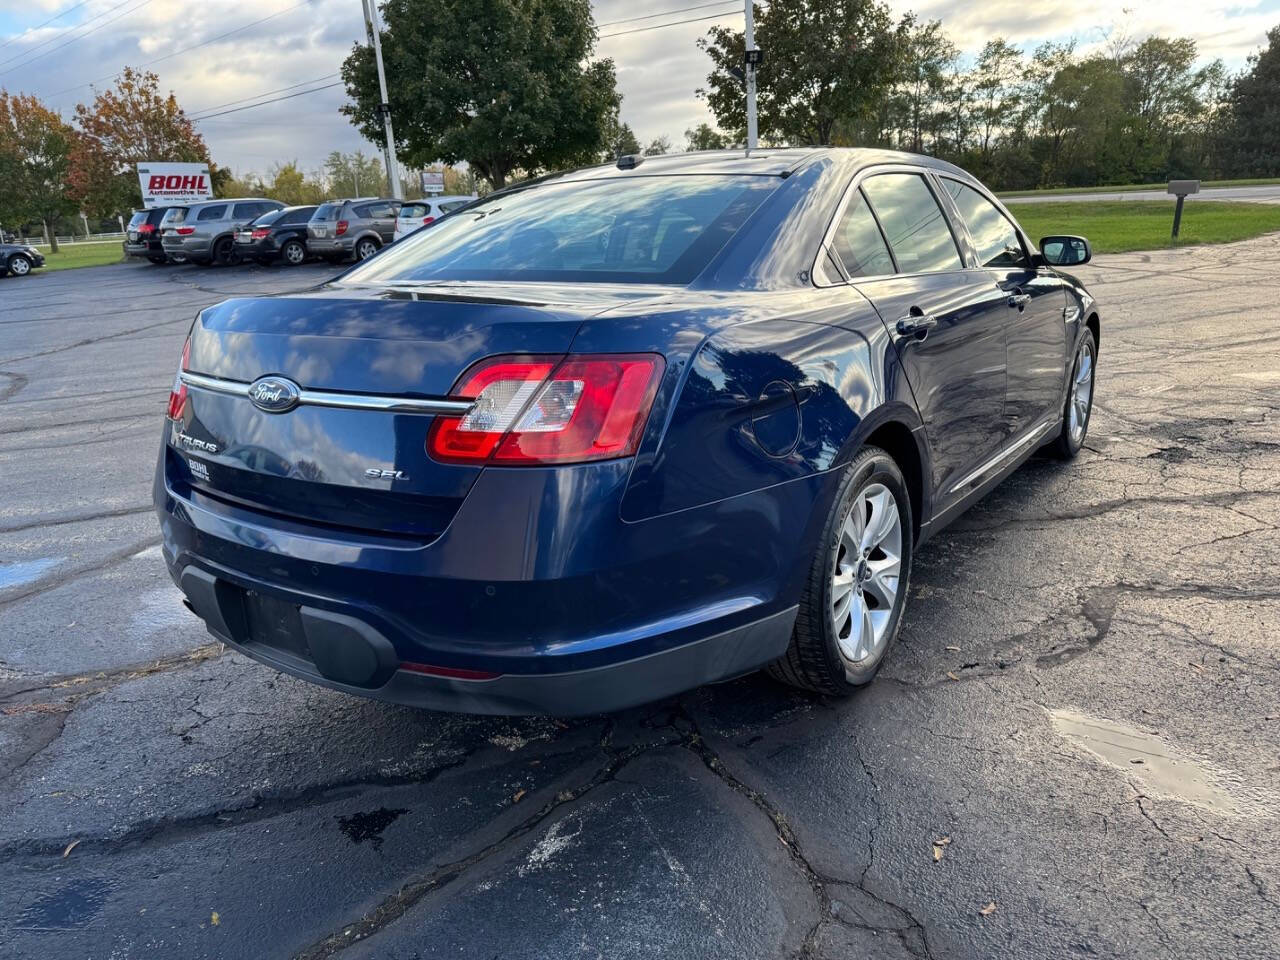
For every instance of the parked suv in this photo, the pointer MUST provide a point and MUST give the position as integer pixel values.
(418, 213)
(359, 227)
(276, 235)
(142, 235)
(204, 232)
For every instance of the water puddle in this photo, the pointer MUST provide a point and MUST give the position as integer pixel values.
(72, 906)
(1147, 758)
(369, 826)
(16, 574)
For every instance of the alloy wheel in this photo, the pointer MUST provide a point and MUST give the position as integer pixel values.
(19, 266)
(866, 573)
(1081, 392)
(294, 254)
(365, 250)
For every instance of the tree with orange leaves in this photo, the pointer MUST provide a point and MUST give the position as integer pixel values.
(35, 147)
(129, 124)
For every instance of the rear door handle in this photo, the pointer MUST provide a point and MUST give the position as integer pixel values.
(915, 324)
(1019, 300)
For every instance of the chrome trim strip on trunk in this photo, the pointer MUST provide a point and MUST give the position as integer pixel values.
(345, 401)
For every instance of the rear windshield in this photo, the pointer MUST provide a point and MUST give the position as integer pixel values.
(625, 230)
(411, 210)
(327, 211)
(139, 218)
(174, 215)
(267, 218)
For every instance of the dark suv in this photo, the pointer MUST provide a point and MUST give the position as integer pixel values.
(278, 235)
(360, 228)
(142, 235)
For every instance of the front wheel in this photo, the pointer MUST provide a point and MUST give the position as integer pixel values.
(19, 265)
(852, 603)
(1079, 405)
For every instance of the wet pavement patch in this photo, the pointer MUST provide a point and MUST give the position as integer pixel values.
(1148, 758)
(72, 906)
(369, 825)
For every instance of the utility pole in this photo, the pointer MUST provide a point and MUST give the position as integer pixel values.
(753, 60)
(374, 29)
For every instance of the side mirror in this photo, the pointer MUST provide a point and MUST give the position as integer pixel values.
(1065, 251)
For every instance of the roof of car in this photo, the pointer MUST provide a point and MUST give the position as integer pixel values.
(767, 161)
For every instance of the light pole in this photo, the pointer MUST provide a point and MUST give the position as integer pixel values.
(374, 29)
(753, 60)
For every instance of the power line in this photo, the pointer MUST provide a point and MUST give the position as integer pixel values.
(263, 103)
(674, 23)
(667, 13)
(194, 46)
(41, 26)
(264, 93)
(73, 39)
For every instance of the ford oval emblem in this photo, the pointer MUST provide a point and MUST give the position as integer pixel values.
(274, 394)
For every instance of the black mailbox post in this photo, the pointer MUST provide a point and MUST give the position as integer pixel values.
(1181, 189)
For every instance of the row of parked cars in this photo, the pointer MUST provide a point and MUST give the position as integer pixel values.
(243, 229)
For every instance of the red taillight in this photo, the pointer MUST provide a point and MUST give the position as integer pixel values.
(146, 228)
(260, 232)
(178, 394)
(453, 673)
(186, 231)
(533, 410)
(340, 229)
(426, 220)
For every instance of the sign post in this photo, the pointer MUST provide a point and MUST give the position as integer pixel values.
(1181, 189)
(754, 59)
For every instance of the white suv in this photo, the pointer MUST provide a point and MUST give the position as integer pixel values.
(416, 213)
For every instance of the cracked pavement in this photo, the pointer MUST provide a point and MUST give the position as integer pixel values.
(1073, 751)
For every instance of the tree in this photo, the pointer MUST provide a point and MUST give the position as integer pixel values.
(129, 124)
(290, 185)
(35, 149)
(619, 140)
(926, 56)
(504, 85)
(997, 100)
(658, 146)
(829, 62)
(354, 174)
(705, 137)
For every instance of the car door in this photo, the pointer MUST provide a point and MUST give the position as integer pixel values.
(383, 215)
(947, 321)
(1036, 342)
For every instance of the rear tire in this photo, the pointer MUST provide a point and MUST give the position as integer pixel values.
(851, 609)
(225, 253)
(1078, 409)
(293, 253)
(158, 261)
(365, 249)
(19, 265)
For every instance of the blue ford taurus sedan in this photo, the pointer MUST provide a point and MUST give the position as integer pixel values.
(616, 433)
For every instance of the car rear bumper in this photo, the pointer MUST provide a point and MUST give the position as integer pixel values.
(519, 606)
(326, 246)
(186, 246)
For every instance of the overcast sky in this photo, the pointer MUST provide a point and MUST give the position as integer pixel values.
(658, 69)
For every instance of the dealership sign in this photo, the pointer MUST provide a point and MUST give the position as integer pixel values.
(432, 181)
(164, 184)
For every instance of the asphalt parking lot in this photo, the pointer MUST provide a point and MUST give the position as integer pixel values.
(1074, 750)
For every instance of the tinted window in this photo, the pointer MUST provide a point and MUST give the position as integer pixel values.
(138, 219)
(376, 210)
(411, 210)
(993, 235)
(632, 230)
(267, 219)
(452, 205)
(155, 216)
(174, 215)
(250, 210)
(327, 211)
(301, 215)
(859, 243)
(212, 213)
(913, 222)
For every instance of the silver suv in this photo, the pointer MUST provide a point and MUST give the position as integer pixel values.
(204, 232)
(361, 227)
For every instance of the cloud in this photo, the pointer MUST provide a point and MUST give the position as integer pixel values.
(658, 70)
